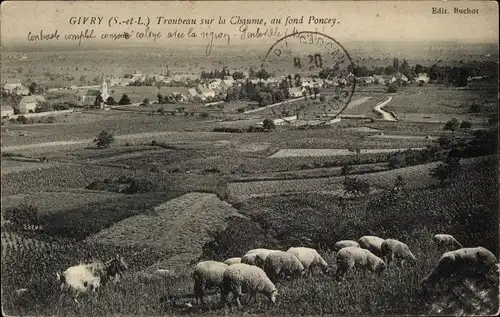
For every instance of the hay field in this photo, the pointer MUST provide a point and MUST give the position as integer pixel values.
(331, 152)
(181, 226)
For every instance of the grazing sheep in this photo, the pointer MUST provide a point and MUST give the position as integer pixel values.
(207, 274)
(446, 242)
(283, 264)
(343, 244)
(86, 278)
(255, 251)
(309, 258)
(459, 262)
(349, 257)
(249, 258)
(396, 250)
(232, 261)
(372, 244)
(252, 279)
(261, 256)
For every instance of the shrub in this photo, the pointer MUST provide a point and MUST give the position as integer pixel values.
(465, 125)
(104, 139)
(241, 110)
(140, 186)
(22, 119)
(51, 119)
(60, 107)
(346, 169)
(397, 161)
(452, 125)
(355, 186)
(161, 111)
(322, 98)
(447, 170)
(204, 115)
(268, 124)
(475, 108)
(124, 100)
(392, 88)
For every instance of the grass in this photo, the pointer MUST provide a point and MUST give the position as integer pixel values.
(180, 226)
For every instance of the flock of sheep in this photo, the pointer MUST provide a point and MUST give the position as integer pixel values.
(259, 270)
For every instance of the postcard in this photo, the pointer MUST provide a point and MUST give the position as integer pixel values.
(258, 158)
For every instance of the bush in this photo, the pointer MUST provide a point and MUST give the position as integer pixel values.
(124, 100)
(452, 125)
(475, 108)
(268, 124)
(355, 186)
(322, 98)
(60, 107)
(392, 88)
(50, 119)
(204, 115)
(241, 110)
(104, 139)
(23, 119)
(397, 161)
(447, 170)
(346, 169)
(465, 125)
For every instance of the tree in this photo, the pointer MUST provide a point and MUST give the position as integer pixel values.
(124, 100)
(268, 124)
(238, 75)
(392, 88)
(32, 88)
(110, 101)
(160, 98)
(42, 106)
(145, 102)
(466, 125)
(346, 169)
(104, 139)
(452, 125)
(447, 170)
(98, 100)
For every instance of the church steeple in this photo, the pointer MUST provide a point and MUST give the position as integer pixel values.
(104, 88)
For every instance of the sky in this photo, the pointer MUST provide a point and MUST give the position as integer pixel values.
(356, 20)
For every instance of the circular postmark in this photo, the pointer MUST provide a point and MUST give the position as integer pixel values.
(317, 73)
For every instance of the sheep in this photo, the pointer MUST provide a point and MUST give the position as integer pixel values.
(349, 257)
(249, 258)
(261, 256)
(207, 274)
(252, 279)
(232, 261)
(344, 243)
(392, 249)
(446, 242)
(255, 250)
(86, 278)
(371, 243)
(309, 258)
(478, 261)
(283, 264)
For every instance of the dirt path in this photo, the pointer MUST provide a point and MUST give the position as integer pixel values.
(385, 115)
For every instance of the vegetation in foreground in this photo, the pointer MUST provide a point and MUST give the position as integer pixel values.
(412, 216)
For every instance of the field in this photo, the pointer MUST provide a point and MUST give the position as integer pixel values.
(172, 188)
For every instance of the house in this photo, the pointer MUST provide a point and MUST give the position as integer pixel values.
(11, 84)
(28, 103)
(384, 79)
(192, 92)
(366, 80)
(21, 91)
(205, 92)
(215, 84)
(422, 77)
(295, 92)
(7, 112)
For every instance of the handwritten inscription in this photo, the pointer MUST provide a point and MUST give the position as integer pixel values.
(156, 28)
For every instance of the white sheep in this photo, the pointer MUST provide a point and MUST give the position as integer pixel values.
(446, 242)
(207, 274)
(396, 250)
(232, 261)
(283, 264)
(255, 250)
(249, 258)
(261, 256)
(252, 279)
(86, 278)
(343, 244)
(309, 258)
(371, 243)
(476, 260)
(350, 257)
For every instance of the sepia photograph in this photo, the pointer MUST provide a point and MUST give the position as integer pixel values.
(249, 158)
